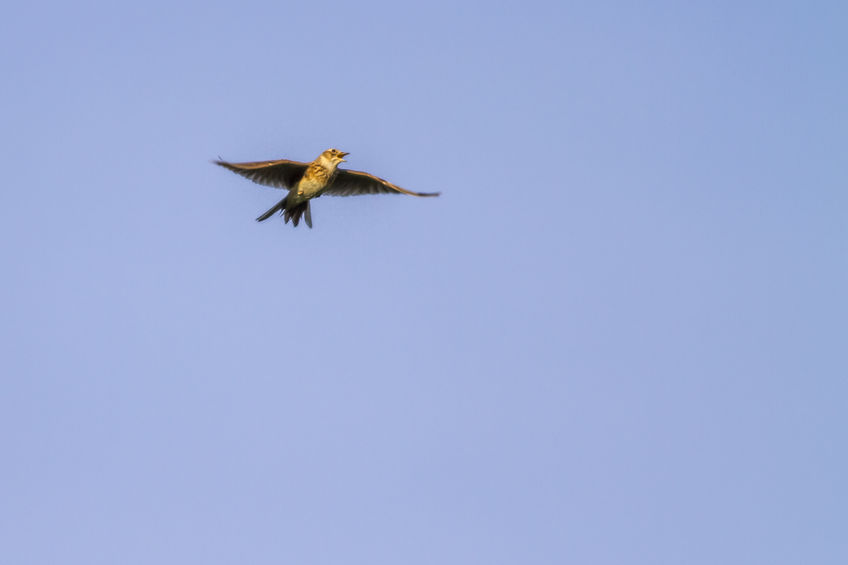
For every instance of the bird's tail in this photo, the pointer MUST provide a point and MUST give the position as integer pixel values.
(279, 206)
(293, 213)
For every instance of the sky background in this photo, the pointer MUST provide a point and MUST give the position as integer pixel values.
(619, 336)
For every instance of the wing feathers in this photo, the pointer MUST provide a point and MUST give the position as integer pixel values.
(352, 183)
(280, 174)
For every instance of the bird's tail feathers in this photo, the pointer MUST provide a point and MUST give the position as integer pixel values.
(279, 206)
(296, 212)
(308, 216)
(293, 213)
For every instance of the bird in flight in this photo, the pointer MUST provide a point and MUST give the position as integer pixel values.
(306, 181)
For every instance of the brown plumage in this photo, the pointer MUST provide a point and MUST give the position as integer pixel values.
(306, 181)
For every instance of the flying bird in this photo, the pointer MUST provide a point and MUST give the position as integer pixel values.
(306, 181)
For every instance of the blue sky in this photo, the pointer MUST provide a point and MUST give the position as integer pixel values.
(619, 336)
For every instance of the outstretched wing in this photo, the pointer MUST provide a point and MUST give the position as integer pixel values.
(280, 174)
(352, 183)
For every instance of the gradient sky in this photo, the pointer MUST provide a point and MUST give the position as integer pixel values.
(619, 336)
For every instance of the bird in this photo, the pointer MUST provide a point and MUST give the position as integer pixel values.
(306, 181)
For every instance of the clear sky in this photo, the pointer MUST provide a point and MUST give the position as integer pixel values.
(619, 336)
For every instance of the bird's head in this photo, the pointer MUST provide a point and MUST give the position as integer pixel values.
(333, 157)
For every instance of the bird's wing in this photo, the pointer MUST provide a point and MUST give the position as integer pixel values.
(280, 174)
(352, 183)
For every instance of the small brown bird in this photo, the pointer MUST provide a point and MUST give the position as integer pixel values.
(306, 181)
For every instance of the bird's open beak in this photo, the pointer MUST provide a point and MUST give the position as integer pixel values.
(343, 154)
